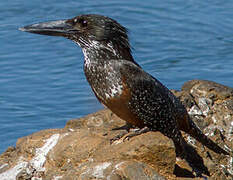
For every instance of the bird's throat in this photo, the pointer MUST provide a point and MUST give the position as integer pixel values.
(97, 52)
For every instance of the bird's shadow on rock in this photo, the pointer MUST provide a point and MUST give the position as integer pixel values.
(195, 161)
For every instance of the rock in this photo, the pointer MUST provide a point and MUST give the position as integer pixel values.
(214, 104)
(82, 149)
(210, 106)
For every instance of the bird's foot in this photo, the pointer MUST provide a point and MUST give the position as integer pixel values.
(136, 132)
(126, 135)
(118, 136)
(126, 127)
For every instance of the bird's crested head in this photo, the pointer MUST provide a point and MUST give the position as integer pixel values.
(85, 30)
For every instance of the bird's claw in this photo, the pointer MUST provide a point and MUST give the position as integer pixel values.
(128, 135)
(126, 127)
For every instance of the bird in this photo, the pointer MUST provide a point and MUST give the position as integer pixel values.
(121, 84)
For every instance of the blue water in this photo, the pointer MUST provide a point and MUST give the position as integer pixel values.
(42, 84)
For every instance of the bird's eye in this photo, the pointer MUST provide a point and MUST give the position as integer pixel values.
(83, 22)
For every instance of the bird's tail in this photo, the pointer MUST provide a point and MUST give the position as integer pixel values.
(196, 133)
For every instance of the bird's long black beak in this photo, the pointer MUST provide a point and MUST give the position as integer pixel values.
(52, 28)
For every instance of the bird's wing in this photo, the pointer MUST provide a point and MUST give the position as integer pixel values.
(149, 100)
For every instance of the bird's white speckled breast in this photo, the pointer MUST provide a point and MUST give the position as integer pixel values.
(104, 79)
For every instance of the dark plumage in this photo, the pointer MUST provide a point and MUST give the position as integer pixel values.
(123, 86)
